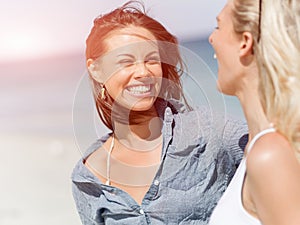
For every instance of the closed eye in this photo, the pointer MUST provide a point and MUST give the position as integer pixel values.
(153, 60)
(218, 20)
(125, 62)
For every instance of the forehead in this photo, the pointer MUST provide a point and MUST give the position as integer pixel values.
(226, 12)
(130, 38)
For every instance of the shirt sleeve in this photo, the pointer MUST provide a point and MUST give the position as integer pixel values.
(83, 204)
(222, 130)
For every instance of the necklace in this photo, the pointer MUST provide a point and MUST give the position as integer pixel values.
(108, 160)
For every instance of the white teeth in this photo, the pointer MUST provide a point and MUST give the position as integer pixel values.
(139, 89)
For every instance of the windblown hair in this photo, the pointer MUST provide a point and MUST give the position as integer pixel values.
(275, 26)
(133, 14)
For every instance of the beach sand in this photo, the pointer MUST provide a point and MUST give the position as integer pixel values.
(35, 180)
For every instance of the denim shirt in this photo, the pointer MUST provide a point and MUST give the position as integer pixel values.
(199, 158)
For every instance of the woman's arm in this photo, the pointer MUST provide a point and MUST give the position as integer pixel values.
(273, 175)
(83, 204)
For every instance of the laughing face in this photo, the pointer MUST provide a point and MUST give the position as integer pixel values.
(226, 44)
(131, 69)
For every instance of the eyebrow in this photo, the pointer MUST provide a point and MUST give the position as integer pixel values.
(152, 53)
(124, 54)
(132, 56)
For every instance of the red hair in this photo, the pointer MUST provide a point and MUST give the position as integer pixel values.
(120, 18)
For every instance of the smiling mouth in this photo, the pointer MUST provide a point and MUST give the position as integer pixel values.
(139, 89)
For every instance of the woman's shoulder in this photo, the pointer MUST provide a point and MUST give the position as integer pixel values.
(97, 154)
(269, 152)
(273, 178)
(197, 124)
(81, 172)
(199, 113)
(207, 118)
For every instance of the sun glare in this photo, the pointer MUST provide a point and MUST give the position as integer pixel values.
(19, 46)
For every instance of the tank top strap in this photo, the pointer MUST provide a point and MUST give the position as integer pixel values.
(258, 135)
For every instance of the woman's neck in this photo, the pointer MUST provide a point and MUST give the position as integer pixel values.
(253, 112)
(140, 133)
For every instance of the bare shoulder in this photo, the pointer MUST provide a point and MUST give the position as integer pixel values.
(273, 179)
(271, 146)
(270, 152)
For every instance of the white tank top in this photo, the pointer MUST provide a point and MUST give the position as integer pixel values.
(230, 209)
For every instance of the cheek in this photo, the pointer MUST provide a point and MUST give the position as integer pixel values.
(115, 84)
(156, 73)
(155, 70)
(227, 80)
(227, 59)
(158, 76)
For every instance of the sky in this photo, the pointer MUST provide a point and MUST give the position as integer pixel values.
(37, 28)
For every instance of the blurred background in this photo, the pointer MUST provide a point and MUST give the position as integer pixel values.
(42, 73)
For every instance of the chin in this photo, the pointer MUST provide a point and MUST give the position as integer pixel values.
(142, 105)
(224, 90)
(219, 87)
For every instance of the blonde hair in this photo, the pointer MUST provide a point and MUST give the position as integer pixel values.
(277, 48)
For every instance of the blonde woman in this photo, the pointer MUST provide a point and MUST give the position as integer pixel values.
(257, 44)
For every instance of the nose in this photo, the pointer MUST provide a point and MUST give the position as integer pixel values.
(141, 69)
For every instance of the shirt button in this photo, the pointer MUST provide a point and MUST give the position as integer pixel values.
(142, 211)
(168, 111)
(156, 182)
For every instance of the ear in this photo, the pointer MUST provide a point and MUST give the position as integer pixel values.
(93, 71)
(246, 47)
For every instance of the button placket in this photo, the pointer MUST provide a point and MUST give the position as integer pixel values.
(142, 212)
